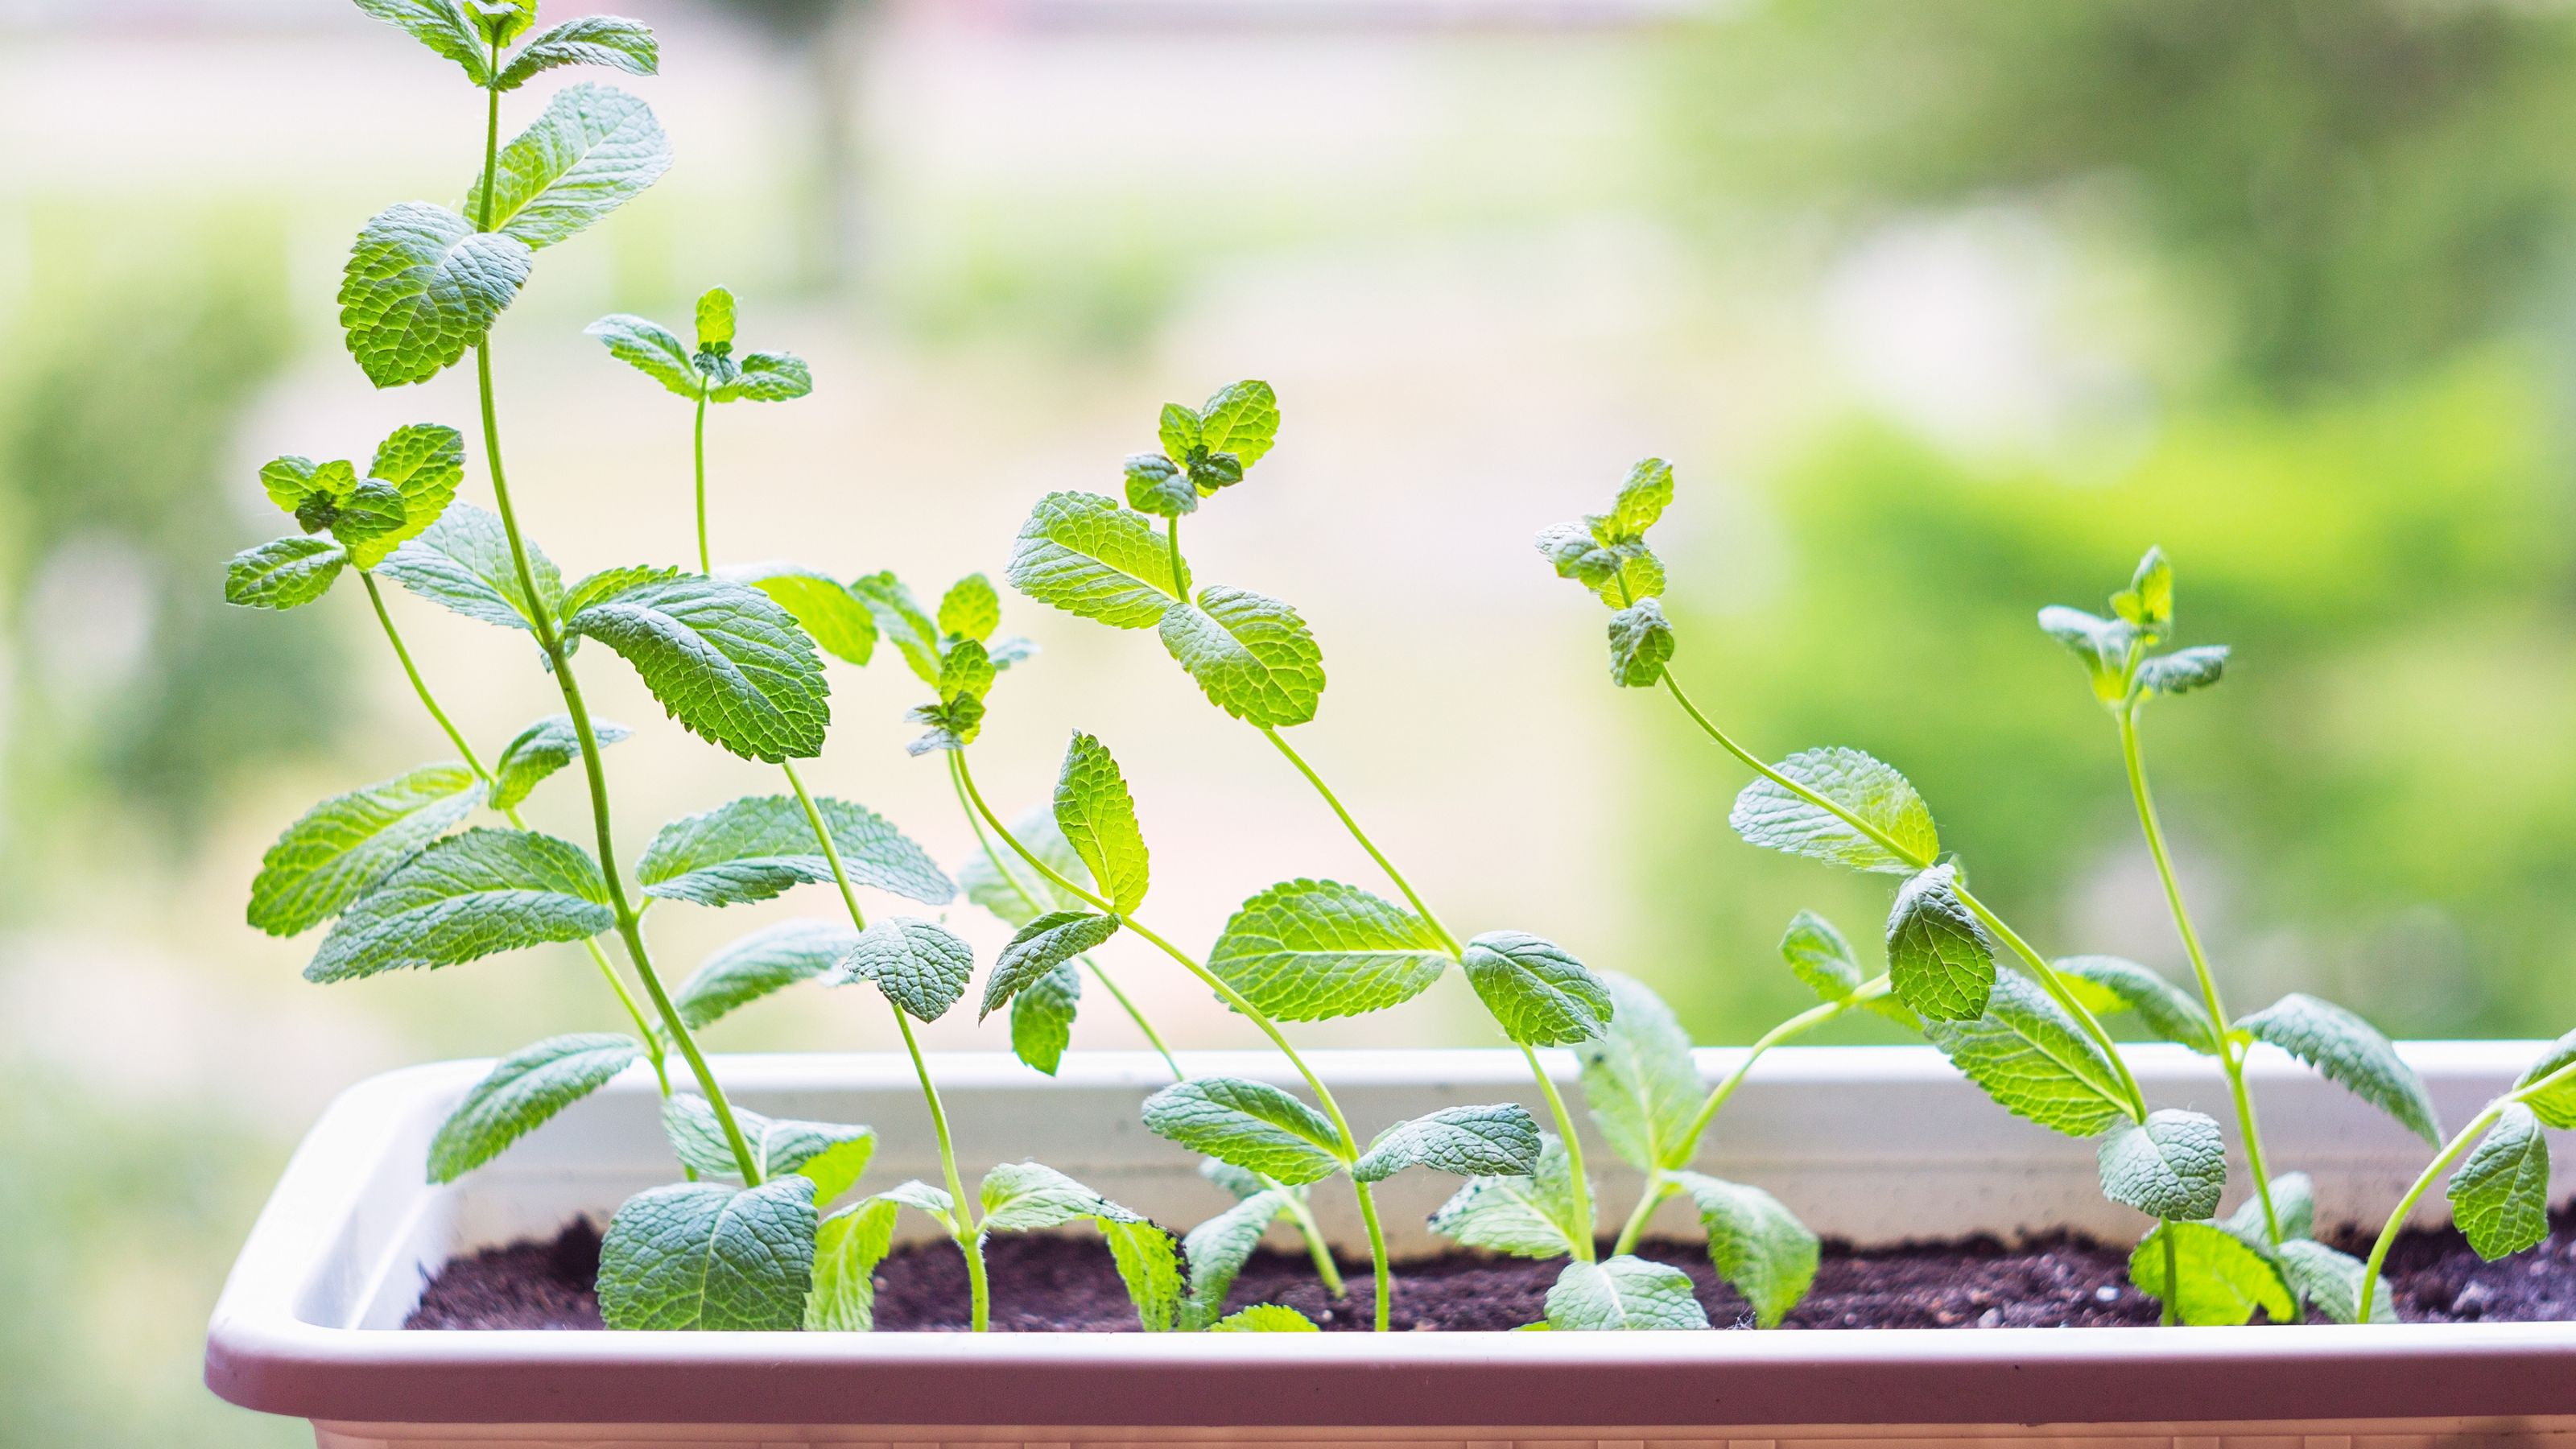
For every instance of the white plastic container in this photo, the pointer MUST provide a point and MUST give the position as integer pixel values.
(1867, 1143)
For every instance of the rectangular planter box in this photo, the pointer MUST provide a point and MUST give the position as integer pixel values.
(1868, 1143)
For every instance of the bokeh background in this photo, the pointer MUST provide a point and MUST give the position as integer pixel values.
(1944, 311)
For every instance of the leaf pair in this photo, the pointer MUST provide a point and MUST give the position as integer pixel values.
(1204, 449)
(1094, 820)
(2229, 1268)
(961, 664)
(2113, 649)
(1042, 1011)
(409, 483)
(711, 371)
(1607, 554)
(467, 31)
(1261, 1129)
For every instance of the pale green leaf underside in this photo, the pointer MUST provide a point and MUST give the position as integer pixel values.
(767, 960)
(603, 40)
(1486, 1141)
(1639, 1078)
(465, 897)
(848, 1246)
(1623, 1294)
(2108, 984)
(1819, 956)
(1768, 815)
(1252, 1125)
(2332, 1281)
(283, 573)
(521, 1092)
(648, 347)
(1040, 947)
(1307, 950)
(2500, 1195)
(1010, 887)
(1538, 993)
(463, 562)
(1084, 554)
(757, 847)
(347, 843)
(725, 661)
(1938, 959)
(594, 149)
(1020, 1197)
(2223, 1282)
(1217, 1249)
(2033, 1059)
(1252, 656)
(710, 1255)
(831, 1154)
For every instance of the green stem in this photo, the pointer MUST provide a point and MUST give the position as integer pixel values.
(2440, 1164)
(1172, 541)
(1584, 1247)
(1381, 1281)
(2231, 1055)
(2166, 1313)
(704, 566)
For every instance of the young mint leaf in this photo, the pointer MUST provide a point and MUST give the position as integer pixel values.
(848, 1246)
(2184, 670)
(1538, 993)
(1242, 419)
(2350, 1052)
(421, 286)
(1253, 1125)
(2500, 1195)
(592, 151)
(1307, 950)
(1758, 1246)
(923, 1198)
(1619, 571)
(756, 847)
(1011, 889)
(1639, 1078)
(463, 561)
(2108, 984)
(502, 21)
(1529, 1216)
(900, 619)
(726, 662)
(283, 572)
(830, 1153)
(605, 40)
(1179, 432)
(2222, 1281)
(1098, 821)
(920, 965)
(1159, 486)
(1040, 947)
(1938, 960)
(970, 609)
(2033, 1059)
(2147, 604)
(466, 897)
(343, 846)
(521, 1092)
(767, 960)
(1042, 1015)
(1252, 656)
(1623, 1293)
(1495, 1141)
(1819, 956)
(2554, 1105)
(965, 672)
(709, 1255)
(1021, 1197)
(1774, 818)
(305, 490)
(1084, 554)
(1641, 644)
(649, 348)
(540, 750)
(2332, 1281)
(1265, 1318)
(1643, 498)
(2102, 644)
(1150, 1267)
(423, 462)
(443, 26)
(953, 724)
(370, 515)
(765, 377)
(2173, 1165)
(1217, 1249)
(715, 318)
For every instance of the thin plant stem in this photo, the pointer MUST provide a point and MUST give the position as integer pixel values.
(2441, 1163)
(704, 566)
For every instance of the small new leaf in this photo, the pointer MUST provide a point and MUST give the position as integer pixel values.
(709, 1255)
(1097, 819)
(1538, 993)
(1242, 419)
(1776, 818)
(1496, 1141)
(1308, 950)
(1252, 1125)
(540, 750)
(1159, 486)
(920, 965)
(970, 609)
(1938, 960)
(649, 348)
(521, 1092)
(2332, 1281)
(1641, 644)
(283, 572)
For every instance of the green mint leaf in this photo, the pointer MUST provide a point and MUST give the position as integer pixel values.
(2184, 670)
(1150, 1266)
(2332, 1281)
(833, 616)
(591, 588)
(726, 662)
(715, 319)
(965, 672)
(708, 1255)
(1021, 1197)
(953, 724)
(2102, 644)
(2500, 1195)
(463, 562)
(1252, 656)
(769, 959)
(423, 462)
(756, 847)
(1098, 821)
(1308, 950)
(370, 515)
(2147, 604)
(2554, 1105)
(607, 40)
(1253, 1125)
(466, 897)
(421, 286)
(1489, 1141)
(2030, 1056)
(923, 1198)
(2222, 1281)
(283, 572)
(899, 618)
(1641, 644)
(1179, 431)
(307, 491)
(1527, 1216)
(1777, 819)
(765, 377)
(593, 150)
(521, 1092)
(1643, 498)
(1040, 947)
(540, 750)
(1217, 1249)
(1819, 956)
(502, 21)
(970, 609)
(1042, 1014)
(1009, 888)
(848, 1246)
(1086, 555)
(831, 1154)
(1242, 420)
(1757, 1245)
(649, 348)
(1639, 1077)
(2108, 984)
(1159, 486)
(1938, 960)
(920, 965)
(2294, 1199)
(2173, 1165)
(341, 847)
(1620, 572)
(443, 26)
(1538, 993)
(1623, 1293)
(1265, 1318)
(2351, 1053)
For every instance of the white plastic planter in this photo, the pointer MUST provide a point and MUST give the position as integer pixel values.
(1871, 1144)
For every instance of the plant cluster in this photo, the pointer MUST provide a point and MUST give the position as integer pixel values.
(765, 1227)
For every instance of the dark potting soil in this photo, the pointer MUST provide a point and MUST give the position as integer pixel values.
(1050, 1283)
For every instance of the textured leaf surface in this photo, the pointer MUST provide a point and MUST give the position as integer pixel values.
(2173, 1165)
(2500, 1195)
(1253, 1125)
(767, 960)
(2555, 1104)
(1938, 961)
(1040, 947)
(521, 1092)
(2108, 984)
(708, 1255)
(1777, 819)
(1084, 554)
(1097, 820)
(1756, 1244)
(758, 846)
(823, 606)
(421, 286)
(1251, 655)
(1265, 1318)
(1623, 1293)
(283, 572)
(725, 661)
(1530, 1216)
(1242, 419)
(2332, 1281)
(423, 462)
(540, 750)
(848, 1246)
(347, 843)
(2351, 1053)
(463, 561)
(830, 1154)
(2222, 1281)
(466, 897)
(1306, 950)
(920, 965)
(1042, 1014)
(443, 26)
(1819, 956)
(765, 377)
(593, 150)
(603, 40)
(1217, 1249)
(1150, 1265)
(1536, 990)
(648, 347)
(2033, 1059)
(1490, 1141)
(1641, 644)
(2184, 670)
(1021, 1197)
(1639, 1078)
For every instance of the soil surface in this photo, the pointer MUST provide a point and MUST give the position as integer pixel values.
(1043, 1283)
